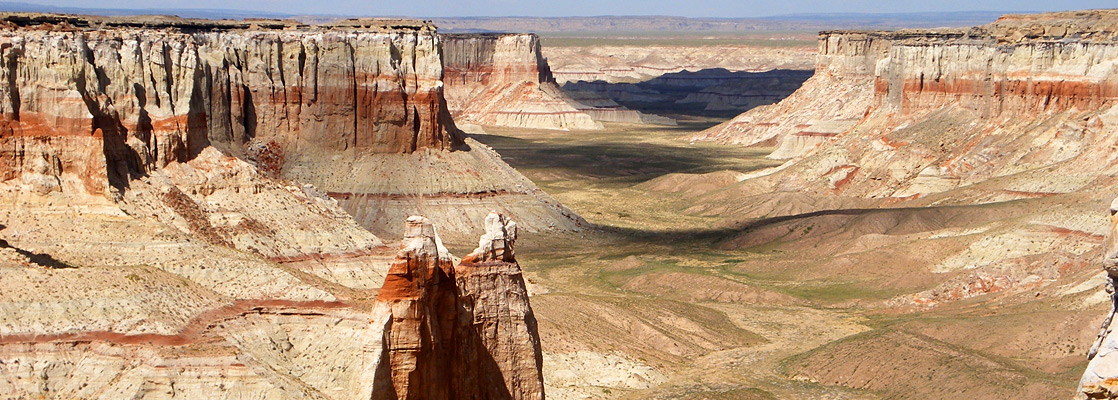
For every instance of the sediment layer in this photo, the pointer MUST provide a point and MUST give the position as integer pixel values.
(504, 80)
(911, 113)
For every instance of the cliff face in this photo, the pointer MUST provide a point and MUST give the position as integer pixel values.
(911, 113)
(503, 80)
(1019, 64)
(91, 109)
(170, 224)
(458, 332)
(145, 98)
(1100, 380)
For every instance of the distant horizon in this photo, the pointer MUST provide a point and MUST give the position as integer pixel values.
(716, 9)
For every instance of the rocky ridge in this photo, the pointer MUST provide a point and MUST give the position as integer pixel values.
(627, 64)
(87, 109)
(700, 79)
(504, 80)
(168, 226)
(912, 113)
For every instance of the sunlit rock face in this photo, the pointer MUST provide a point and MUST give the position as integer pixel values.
(457, 332)
(1100, 380)
(503, 80)
(171, 224)
(94, 107)
(355, 109)
(911, 113)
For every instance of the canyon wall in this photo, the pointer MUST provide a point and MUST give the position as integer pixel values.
(89, 109)
(911, 113)
(145, 98)
(503, 80)
(171, 224)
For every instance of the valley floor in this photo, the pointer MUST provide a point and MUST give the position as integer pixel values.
(682, 291)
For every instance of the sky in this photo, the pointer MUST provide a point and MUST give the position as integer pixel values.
(558, 8)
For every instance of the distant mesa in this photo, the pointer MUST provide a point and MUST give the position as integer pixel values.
(503, 80)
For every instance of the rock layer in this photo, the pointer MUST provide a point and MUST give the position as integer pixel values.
(458, 332)
(170, 224)
(90, 109)
(912, 113)
(503, 80)
(93, 108)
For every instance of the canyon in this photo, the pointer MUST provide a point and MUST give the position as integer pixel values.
(937, 197)
(270, 209)
(179, 202)
(995, 139)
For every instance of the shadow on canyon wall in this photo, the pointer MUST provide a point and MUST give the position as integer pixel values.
(707, 93)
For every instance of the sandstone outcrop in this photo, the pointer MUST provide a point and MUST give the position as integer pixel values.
(912, 113)
(92, 103)
(203, 320)
(456, 332)
(504, 80)
(145, 98)
(1100, 380)
(170, 224)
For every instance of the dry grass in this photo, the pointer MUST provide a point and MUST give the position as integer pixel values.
(725, 313)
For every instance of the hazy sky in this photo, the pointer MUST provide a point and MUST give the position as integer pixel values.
(688, 8)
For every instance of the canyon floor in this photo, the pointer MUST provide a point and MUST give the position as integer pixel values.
(662, 300)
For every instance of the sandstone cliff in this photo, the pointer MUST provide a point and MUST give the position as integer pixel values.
(1100, 380)
(145, 97)
(911, 113)
(169, 228)
(457, 332)
(503, 80)
(89, 109)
